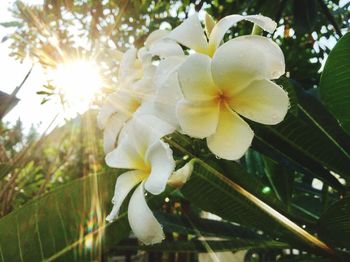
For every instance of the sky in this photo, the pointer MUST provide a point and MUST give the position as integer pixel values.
(29, 110)
(13, 72)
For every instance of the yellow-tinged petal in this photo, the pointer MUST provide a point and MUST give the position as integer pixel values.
(160, 157)
(181, 176)
(198, 120)
(209, 24)
(125, 182)
(195, 78)
(190, 34)
(141, 219)
(232, 138)
(262, 101)
(126, 155)
(220, 29)
(246, 58)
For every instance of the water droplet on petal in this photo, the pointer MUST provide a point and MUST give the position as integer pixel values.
(217, 157)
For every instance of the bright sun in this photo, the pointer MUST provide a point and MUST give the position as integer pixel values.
(78, 82)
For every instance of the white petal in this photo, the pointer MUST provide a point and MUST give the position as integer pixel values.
(232, 137)
(225, 23)
(190, 34)
(106, 111)
(198, 120)
(166, 100)
(145, 87)
(125, 182)
(244, 59)
(262, 101)
(155, 36)
(144, 59)
(125, 155)
(122, 101)
(182, 175)
(195, 78)
(166, 48)
(141, 219)
(111, 131)
(209, 24)
(168, 90)
(162, 163)
(165, 69)
(147, 129)
(127, 64)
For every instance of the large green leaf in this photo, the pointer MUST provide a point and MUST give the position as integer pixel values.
(219, 194)
(335, 82)
(67, 224)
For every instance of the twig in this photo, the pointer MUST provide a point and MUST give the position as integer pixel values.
(330, 17)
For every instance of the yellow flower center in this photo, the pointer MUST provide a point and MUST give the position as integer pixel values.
(223, 98)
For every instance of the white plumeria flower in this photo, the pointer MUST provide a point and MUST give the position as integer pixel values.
(235, 81)
(136, 86)
(151, 163)
(191, 34)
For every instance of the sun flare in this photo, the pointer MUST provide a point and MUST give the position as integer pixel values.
(78, 82)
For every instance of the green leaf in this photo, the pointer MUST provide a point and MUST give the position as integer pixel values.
(297, 146)
(307, 140)
(204, 245)
(280, 179)
(206, 227)
(68, 223)
(219, 194)
(324, 121)
(335, 82)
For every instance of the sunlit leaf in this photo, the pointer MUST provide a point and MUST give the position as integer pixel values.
(335, 82)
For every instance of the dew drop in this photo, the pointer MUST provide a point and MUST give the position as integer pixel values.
(217, 157)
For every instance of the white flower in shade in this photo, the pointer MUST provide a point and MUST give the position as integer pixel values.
(235, 81)
(191, 34)
(150, 162)
(182, 175)
(136, 85)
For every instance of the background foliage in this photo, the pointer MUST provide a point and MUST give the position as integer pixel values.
(68, 188)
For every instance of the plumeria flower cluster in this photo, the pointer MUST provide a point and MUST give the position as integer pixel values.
(187, 80)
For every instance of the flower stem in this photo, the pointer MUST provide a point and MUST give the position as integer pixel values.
(257, 30)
